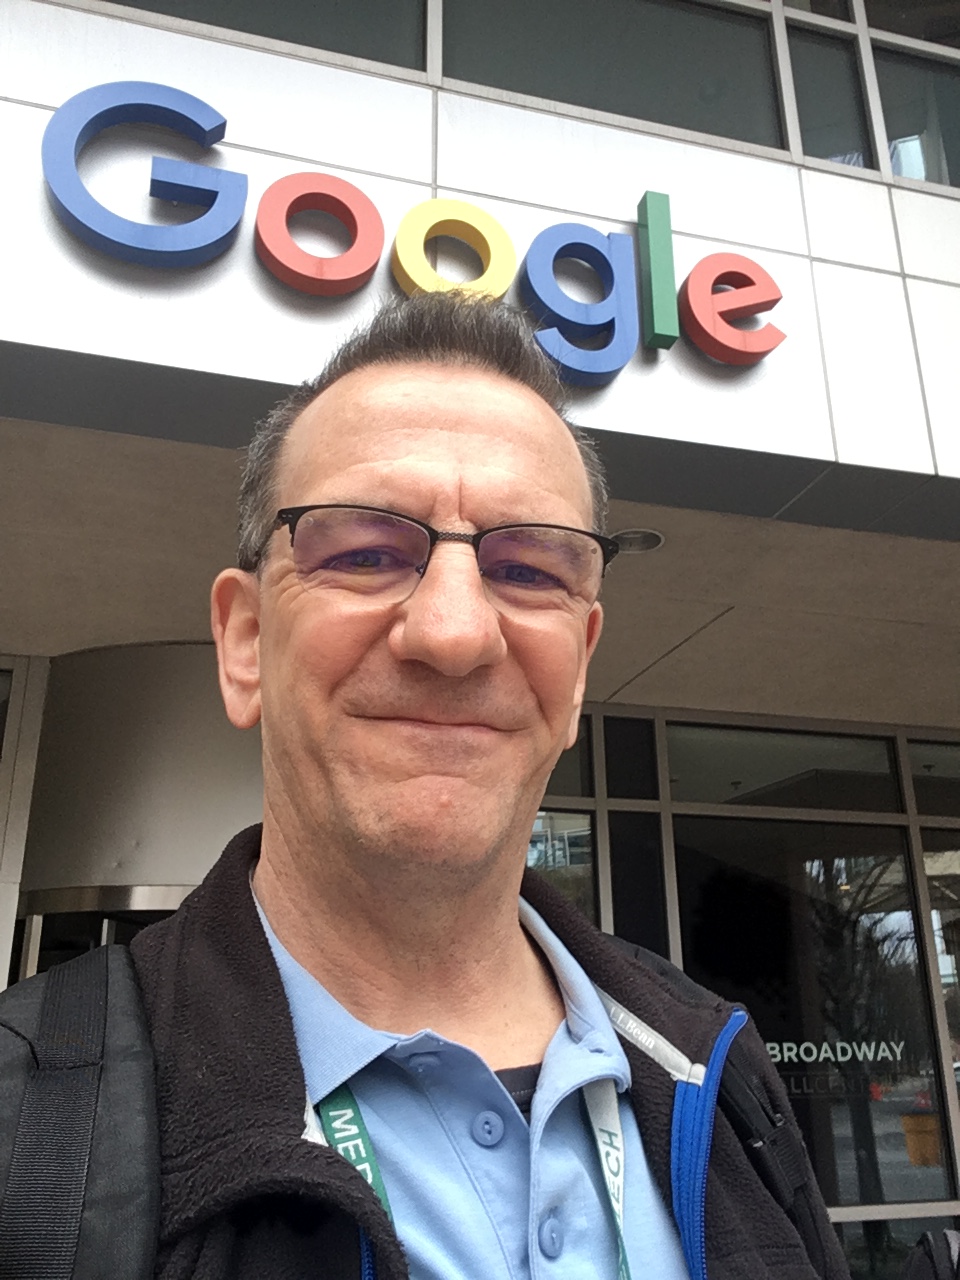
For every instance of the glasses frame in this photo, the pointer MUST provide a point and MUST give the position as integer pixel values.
(290, 517)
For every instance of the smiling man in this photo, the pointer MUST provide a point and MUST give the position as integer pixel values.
(380, 1049)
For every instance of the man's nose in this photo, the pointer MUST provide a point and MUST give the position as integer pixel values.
(449, 622)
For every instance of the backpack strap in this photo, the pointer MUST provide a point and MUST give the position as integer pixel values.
(933, 1257)
(81, 1198)
(774, 1147)
(43, 1203)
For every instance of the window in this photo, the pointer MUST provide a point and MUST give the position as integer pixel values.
(669, 61)
(921, 109)
(941, 858)
(826, 8)
(573, 773)
(636, 872)
(631, 758)
(385, 30)
(936, 777)
(877, 1250)
(561, 846)
(787, 770)
(811, 925)
(827, 83)
(935, 20)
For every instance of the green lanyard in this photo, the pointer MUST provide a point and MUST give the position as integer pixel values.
(344, 1130)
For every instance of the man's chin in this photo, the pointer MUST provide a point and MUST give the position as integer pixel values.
(438, 833)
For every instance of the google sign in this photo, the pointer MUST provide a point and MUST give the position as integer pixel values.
(637, 305)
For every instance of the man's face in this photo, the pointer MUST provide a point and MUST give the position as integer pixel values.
(424, 730)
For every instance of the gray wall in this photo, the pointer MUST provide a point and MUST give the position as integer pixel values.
(140, 777)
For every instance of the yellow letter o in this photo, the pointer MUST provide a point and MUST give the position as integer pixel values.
(463, 221)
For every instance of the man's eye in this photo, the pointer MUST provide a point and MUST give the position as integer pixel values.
(367, 560)
(517, 574)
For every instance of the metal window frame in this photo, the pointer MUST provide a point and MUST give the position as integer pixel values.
(18, 760)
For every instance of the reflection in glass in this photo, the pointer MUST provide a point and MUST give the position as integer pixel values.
(791, 770)
(934, 20)
(561, 848)
(6, 680)
(631, 758)
(936, 777)
(67, 934)
(385, 30)
(636, 872)
(877, 1250)
(573, 773)
(811, 926)
(833, 122)
(941, 858)
(666, 60)
(921, 109)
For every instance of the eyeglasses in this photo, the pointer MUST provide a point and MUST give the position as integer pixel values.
(383, 555)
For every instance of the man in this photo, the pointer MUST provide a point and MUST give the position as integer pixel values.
(373, 1055)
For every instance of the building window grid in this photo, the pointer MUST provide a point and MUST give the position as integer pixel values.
(909, 820)
(780, 14)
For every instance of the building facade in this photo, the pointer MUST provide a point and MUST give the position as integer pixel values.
(767, 783)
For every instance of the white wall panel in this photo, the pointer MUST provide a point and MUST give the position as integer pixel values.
(287, 105)
(936, 319)
(850, 220)
(778, 406)
(520, 154)
(230, 316)
(872, 375)
(929, 227)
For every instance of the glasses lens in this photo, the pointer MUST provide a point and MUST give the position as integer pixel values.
(358, 550)
(537, 566)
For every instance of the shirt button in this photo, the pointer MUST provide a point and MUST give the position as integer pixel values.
(550, 1237)
(421, 1063)
(487, 1129)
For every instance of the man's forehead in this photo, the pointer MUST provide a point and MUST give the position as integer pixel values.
(392, 410)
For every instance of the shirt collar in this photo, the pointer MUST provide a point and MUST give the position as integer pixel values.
(334, 1045)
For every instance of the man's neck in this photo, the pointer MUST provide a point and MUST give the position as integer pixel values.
(458, 961)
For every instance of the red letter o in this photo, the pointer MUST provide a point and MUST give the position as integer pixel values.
(280, 253)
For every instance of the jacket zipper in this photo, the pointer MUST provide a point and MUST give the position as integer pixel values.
(368, 1269)
(692, 1136)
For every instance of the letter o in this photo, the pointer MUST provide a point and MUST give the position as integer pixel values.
(482, 232)
(282, 256)
(808, 1051)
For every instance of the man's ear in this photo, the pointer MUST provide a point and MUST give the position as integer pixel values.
(235, 622)
(594, 627)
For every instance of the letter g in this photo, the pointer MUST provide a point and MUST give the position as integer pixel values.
(221, 191)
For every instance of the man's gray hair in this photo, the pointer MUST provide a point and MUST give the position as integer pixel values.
(441, 328)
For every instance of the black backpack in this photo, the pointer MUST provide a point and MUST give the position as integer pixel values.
(80, 1171)
(935, 1257)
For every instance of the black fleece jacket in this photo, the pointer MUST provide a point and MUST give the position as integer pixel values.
(244, 1197)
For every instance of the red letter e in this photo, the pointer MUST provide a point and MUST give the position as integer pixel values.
(705, 314)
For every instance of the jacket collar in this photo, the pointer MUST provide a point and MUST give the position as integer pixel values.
(230, 1087)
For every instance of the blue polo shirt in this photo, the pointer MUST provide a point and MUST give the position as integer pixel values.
(476, 1192)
